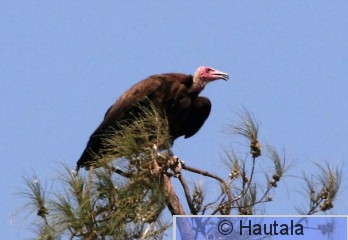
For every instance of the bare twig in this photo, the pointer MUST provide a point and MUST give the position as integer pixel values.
(187, 194)
(226, 188)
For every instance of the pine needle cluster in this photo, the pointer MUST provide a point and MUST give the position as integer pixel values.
(101, 204)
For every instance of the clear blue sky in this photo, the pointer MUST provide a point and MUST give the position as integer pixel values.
(63, 63)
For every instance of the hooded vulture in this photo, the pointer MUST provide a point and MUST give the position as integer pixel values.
(176, 94)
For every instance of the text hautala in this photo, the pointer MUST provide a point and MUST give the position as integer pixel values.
(270, 228)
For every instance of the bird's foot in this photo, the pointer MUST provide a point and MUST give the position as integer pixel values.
(175, 166)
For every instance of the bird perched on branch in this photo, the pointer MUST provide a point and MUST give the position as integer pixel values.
(176, 94)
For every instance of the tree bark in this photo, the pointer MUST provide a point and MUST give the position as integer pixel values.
(176, 208)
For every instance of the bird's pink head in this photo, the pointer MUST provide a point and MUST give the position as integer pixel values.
(204, 75)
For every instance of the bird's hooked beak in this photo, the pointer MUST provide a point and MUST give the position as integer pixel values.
(219, 75)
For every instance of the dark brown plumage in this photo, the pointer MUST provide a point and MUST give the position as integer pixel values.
(174, 93)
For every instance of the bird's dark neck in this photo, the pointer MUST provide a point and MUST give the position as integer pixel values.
(197, 87)
(194, 92)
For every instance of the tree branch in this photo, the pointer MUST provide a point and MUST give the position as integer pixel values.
(176, 208)
(187, 194)
(207, 174)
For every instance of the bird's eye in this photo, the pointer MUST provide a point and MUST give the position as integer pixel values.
(207, 70)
